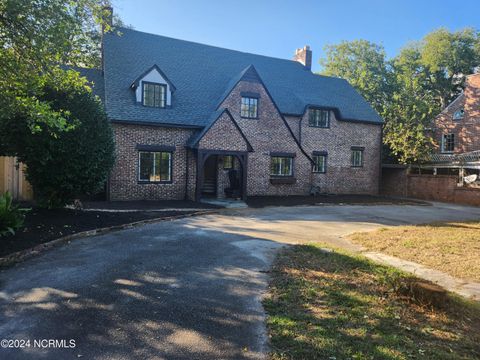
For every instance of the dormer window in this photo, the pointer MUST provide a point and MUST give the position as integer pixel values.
(319, 118)
(153, 89)
(154, 95)
(458, 115)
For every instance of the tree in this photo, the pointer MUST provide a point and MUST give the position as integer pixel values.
(363, 64)
(447, 58)
(409, 109)
(37, 38)
(410, 89)
(69, 164)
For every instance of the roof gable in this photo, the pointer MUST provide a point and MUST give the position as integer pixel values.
(201, 75)
(195, 140)
(155, 68)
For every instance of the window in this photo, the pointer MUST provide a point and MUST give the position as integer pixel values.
(448, 143)
(319, 118)
(249, 107)
(228, 162)
(281, 166)
(155, 166)
(154, 95)
(458, 115)
(357, 157)
(320, 163)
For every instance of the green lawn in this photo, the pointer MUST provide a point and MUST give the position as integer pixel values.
(334, 306)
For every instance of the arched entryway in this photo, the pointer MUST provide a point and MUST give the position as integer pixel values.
(233, 182)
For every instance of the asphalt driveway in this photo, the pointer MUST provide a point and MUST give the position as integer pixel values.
(184, 289)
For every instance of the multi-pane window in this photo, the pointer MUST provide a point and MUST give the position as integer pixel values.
(319, 118)
(154, 95)
(281, 166)
(320, 163)
(155, 166)
(357, 157)
(249, 107)
(448, 143)
(228, 162)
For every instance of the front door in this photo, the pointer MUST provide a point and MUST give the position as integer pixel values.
(210, 176)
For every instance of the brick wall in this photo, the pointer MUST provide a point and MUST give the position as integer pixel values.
(467, 130)
(223, 135)
(396, 182)
(267, 134)
(337, 140)
(124, 176)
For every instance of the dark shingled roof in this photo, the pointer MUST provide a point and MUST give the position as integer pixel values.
(202, 74)
(94, 76)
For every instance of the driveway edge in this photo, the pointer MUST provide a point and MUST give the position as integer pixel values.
(25, 254)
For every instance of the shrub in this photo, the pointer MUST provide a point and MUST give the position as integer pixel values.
(11, 216)
(64, 166)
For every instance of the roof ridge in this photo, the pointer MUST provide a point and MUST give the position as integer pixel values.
(216, 47)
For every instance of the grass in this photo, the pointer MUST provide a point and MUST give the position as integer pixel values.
(332, 305)
(451, 247)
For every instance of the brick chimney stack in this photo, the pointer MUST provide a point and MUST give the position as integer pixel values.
(304, 56)
(107, 17)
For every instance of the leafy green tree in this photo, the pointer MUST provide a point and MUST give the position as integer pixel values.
(447, 58)
(409, 109)
(364, 65)
(410, 89)
(71, 163)
(37, 38)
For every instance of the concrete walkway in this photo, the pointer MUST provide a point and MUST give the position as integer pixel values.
(184, 289)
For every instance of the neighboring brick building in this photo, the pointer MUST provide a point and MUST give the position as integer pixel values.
(457, 127)
(185, 115)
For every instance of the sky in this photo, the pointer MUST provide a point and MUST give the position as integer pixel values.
(277, 28)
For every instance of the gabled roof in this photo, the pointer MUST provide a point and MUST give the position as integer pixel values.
(154, 67)
(202, 74)
(249, 73)
(94, 77)
(195, 139)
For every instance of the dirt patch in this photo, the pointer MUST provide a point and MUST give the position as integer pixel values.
(451, 247)
(42, 225)
(295, 200)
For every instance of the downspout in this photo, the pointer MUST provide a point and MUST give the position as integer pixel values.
(186, 174)
(379, 186)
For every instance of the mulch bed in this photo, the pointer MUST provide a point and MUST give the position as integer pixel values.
(294, 200)
(147, 205)
(42, 225)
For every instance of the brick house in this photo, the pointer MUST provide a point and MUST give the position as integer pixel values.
(192, 120)
(457, 127)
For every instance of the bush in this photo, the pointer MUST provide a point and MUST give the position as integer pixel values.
(11, 217)
(62, 166)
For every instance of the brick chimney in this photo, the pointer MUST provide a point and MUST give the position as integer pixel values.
(107, 23)
(304, 56)
(472, 100)
(107, 17)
